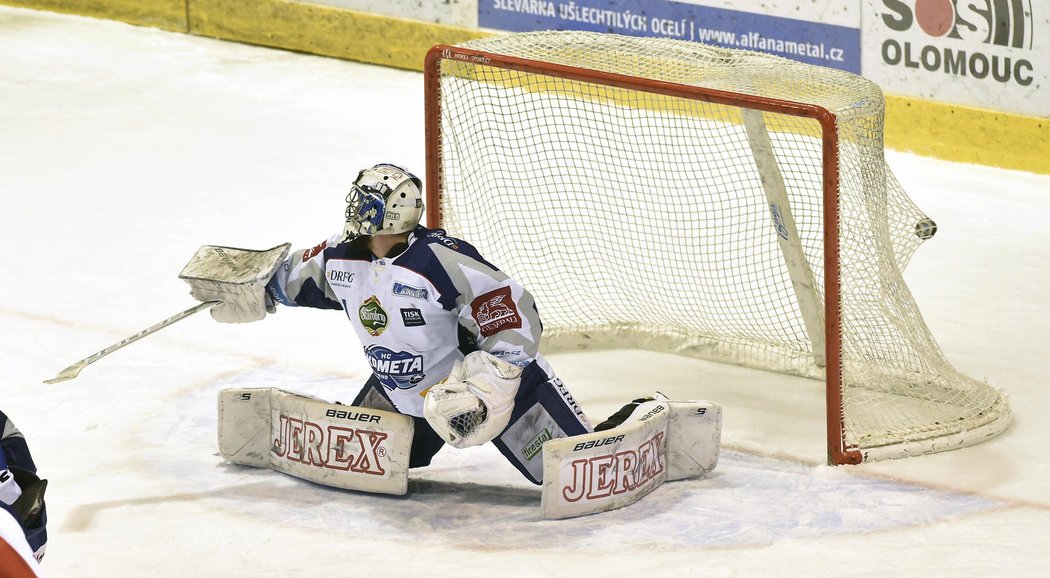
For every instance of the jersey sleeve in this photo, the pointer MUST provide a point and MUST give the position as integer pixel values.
(300, 280)
(497, 310)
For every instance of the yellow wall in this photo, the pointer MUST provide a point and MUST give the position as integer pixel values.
(927, 128)
(164, 14)
(323, 30)
(969, 135)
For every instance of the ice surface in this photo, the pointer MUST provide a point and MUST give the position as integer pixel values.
(124, 149)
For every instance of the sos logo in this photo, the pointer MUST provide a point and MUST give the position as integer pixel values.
(994, 24)
(998, 22)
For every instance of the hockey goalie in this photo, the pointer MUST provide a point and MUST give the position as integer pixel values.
(453, 343)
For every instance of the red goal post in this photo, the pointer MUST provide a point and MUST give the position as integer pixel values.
(486, 102)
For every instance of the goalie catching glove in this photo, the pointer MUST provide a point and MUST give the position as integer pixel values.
(236, 277)
(473, 404)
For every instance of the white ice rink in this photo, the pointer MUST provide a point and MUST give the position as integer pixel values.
(124, 149)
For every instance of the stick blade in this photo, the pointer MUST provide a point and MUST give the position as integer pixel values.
(73, 370)
(65, 375)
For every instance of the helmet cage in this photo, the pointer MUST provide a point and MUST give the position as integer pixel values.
(365, 210)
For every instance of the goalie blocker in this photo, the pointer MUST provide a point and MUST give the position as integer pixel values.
(236, 277)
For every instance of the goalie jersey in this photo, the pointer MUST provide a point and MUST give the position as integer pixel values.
(419, 311)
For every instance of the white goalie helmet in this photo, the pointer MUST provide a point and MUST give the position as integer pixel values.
(384, 200)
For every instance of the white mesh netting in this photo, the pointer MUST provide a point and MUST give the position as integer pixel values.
(646, 220)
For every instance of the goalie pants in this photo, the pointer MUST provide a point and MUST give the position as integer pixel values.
(543, 410)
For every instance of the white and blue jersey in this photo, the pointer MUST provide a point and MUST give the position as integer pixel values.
(418, 312)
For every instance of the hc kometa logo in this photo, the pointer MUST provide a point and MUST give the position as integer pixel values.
(395, 369)
(997, 24)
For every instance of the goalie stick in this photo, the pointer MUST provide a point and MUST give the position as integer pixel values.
(237, 275)
(73, 370)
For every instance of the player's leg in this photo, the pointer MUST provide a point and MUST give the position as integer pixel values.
(425, 441)
(543, 410)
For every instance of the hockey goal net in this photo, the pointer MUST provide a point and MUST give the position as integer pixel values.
(717, 203)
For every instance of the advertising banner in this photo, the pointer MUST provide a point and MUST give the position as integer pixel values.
(822, 43)
(983, 53)
(452, 12)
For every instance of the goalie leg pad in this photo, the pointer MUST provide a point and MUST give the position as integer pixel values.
(342, 446)
(694, 438)
(609, 469)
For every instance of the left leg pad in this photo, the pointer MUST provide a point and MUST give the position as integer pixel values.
(336, 445)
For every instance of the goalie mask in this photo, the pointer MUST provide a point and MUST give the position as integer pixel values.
(384, 200)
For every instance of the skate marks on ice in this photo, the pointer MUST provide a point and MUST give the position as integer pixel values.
(475, 499)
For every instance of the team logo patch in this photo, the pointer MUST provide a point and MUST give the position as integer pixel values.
(495, 311)
(410, 291)
(413, 318)
(372, 316)
(395, 369)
